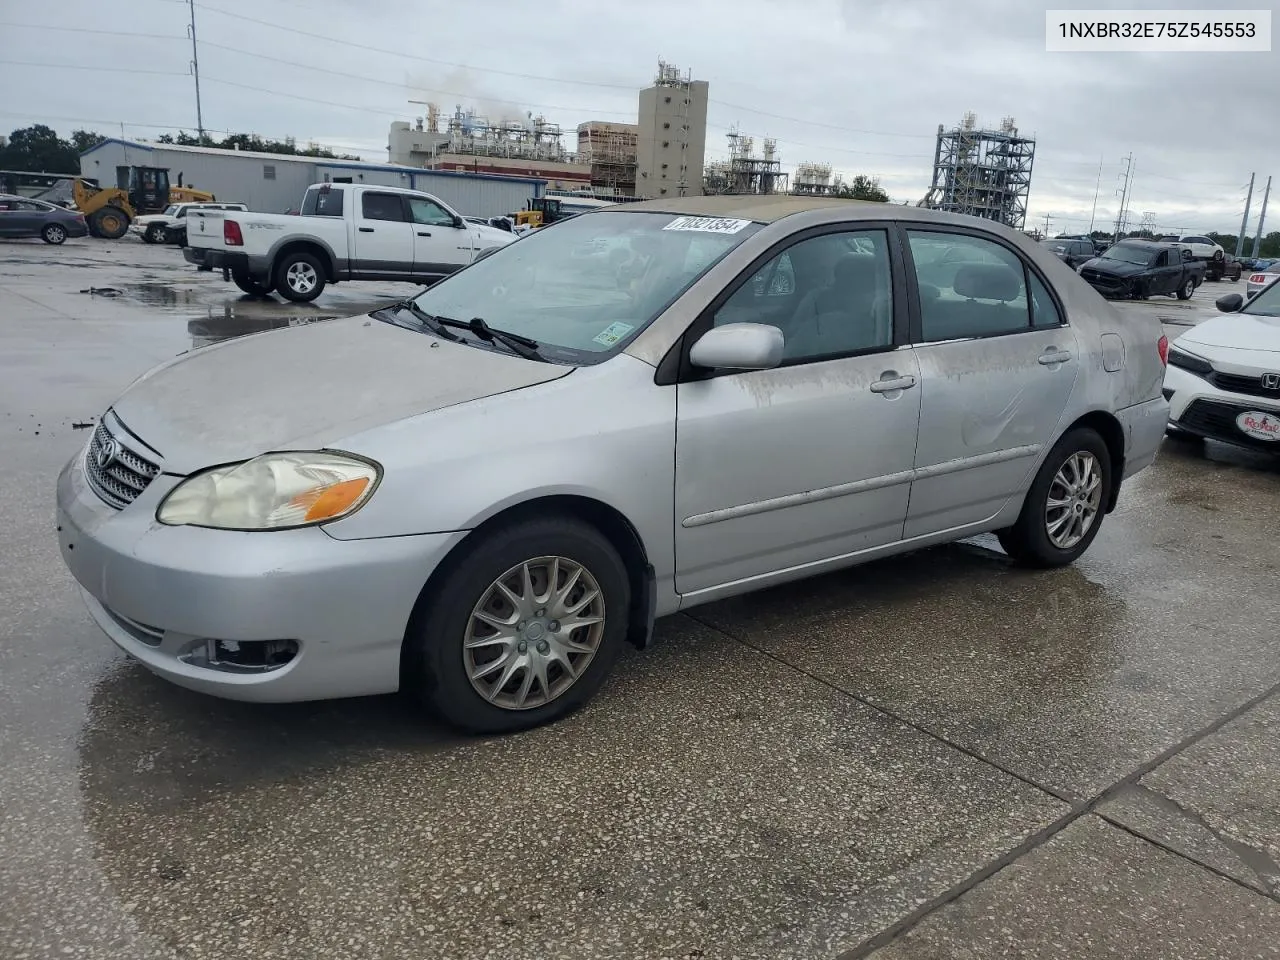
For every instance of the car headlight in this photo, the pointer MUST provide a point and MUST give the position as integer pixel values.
(271, 492)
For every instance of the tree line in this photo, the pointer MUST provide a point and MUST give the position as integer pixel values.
(39, 149)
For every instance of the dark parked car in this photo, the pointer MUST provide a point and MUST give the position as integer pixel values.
(1137, 269)
(22, 217)
(1072, 251)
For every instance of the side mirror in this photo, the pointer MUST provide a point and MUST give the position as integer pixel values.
(1229, 303)
(738, 346)
(458, 221)
(1186, 254)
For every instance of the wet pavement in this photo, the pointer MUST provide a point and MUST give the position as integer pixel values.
(938, 755)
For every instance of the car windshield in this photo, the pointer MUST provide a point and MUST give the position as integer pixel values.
(1127, 253)
(1062, 245)
(171, 210)
(583, 287)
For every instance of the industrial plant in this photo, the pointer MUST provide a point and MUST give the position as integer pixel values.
(982, 173)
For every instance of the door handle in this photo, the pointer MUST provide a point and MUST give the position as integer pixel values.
(895, 383)
(1050, 357)
(366, 229)
(423, 233)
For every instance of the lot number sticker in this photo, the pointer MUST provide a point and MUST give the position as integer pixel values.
(707, 224)
(612, 333)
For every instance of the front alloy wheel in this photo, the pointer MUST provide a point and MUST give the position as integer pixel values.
(534, 632)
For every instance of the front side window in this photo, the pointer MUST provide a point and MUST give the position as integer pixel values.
(973, 288)
(381, 206)
(428, 212)
(583, 287)
(830, 295)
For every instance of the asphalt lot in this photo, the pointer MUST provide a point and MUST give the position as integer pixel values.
(938, 755)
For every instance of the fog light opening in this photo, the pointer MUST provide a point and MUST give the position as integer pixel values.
(244, 656)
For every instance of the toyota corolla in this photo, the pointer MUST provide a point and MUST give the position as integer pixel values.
(482, 493)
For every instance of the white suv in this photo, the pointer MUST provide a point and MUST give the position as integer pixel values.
(1202, 248)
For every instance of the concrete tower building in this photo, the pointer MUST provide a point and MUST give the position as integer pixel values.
(671, 138)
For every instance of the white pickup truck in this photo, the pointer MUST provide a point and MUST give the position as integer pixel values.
(344, 232)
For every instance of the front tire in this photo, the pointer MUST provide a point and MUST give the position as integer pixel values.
(112, 222)
(53, 233)
(1065, 505)
(299, 277)
(523, 629)
(1187, 289)
(155, 234)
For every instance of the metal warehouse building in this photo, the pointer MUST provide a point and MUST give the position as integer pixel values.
(274, 183)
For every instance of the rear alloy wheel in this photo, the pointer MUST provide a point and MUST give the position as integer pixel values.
(1065, 505)
(53, 233)
(524, 628)
(1187, 289)
(299, 277)
(112, 222)
(155, 234)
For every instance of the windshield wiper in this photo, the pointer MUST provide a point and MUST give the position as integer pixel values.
(525, 346)
(434, 324)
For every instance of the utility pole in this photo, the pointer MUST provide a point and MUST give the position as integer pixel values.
(1096, 191)
(195, 69)
(1123, 216)
(1047, 221)
(1262, 216)
(1244, 221)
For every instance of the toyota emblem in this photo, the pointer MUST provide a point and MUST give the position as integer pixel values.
(105, 453)
(1271, 381)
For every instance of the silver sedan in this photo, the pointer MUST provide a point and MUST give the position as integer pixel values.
(482, 493)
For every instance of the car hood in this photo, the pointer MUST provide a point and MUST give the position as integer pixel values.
(308, 387)
(1234, 331)
(153, 218)
(1114, 268)
(492, 235)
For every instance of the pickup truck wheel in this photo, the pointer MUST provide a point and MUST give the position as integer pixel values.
(154, 234)
(1187, 289)
(250, 285)
(299, 277)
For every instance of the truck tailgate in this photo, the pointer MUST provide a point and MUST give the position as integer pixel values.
(204, 228)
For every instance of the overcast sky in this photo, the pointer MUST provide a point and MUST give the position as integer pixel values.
(861, 84)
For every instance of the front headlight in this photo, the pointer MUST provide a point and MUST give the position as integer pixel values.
(271, 492)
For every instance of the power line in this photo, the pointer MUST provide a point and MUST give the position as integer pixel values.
(105, 33)
(82, 66)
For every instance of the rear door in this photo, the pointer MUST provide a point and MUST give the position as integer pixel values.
(997, 367)
(383, 242)
(439, 247)
(10, 217)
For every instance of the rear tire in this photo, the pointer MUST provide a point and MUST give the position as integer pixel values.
(1029, 540)
(1187, 289)
(112, 222)
(53, 233)
(441, 654)
(250, 285)
(299, 277)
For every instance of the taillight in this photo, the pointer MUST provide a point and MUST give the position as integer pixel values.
(1163, 347)
(1258, 278)
(231, 235)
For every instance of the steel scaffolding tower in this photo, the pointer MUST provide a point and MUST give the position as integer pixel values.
(982, 173)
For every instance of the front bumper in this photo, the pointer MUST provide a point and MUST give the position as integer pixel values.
(1110, 287)
(1204, 409)
(161, 593)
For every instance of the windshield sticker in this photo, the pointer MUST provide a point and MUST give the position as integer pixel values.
(613, 333)
(707, 224)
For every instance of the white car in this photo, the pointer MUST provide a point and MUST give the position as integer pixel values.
(1202, 248)
(1258, 279)
(170, 226)
(1223, 377)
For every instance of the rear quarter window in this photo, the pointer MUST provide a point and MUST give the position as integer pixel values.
(322, 203)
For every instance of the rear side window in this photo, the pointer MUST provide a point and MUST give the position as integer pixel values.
(969, 287)
(1044, 313)
(322, 203)
(382, 206)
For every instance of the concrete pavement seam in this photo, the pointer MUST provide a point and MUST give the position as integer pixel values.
(1034, 840)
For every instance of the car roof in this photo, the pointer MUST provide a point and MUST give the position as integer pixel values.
(767, 208)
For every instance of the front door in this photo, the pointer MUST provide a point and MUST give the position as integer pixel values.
(384, 236)
(811, 460)
(439, 247)
(996, 370)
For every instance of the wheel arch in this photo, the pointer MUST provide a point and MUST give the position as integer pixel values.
(1107, 426)
(611, 522)
(306, 245)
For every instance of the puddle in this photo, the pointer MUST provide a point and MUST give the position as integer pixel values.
(233, 323)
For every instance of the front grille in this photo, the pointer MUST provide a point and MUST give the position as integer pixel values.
(116, 473)
(1212, 418)
(1251, 386)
